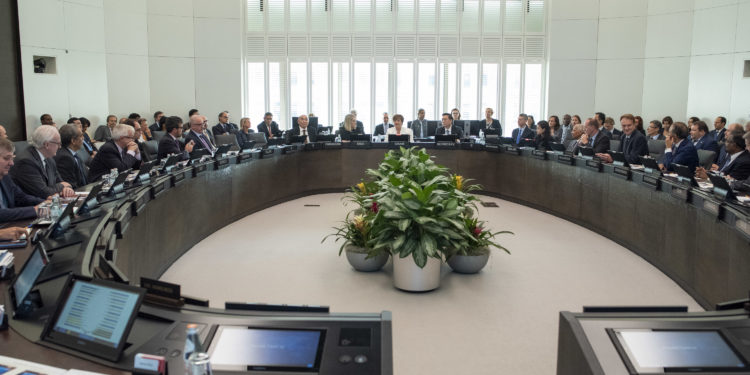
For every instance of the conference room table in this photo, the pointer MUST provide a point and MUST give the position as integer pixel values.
(692, 236)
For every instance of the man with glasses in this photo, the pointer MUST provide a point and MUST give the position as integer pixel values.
(654, 131)
(198, 136)
(35, 172)
(120, 152)
(14, 203)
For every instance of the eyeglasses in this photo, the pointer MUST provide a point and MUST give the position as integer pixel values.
(55, 143)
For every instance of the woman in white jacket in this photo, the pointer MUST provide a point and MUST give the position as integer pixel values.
(399, 129)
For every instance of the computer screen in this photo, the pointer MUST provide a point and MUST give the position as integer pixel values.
(659, 351)
(255, 349)
(26, 279)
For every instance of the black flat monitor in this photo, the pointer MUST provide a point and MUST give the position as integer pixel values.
(463, 125)
(506, 141)
(722, 187)
(649, 162)
(685, 174)
(656, 351)
(24, 281)
(361, 138)
(62, 223)
(119, 183)
(94, 316)
(326, 138)
(170, 161)
(146, 167)
(245, 349)
(440, 138)
(559, 147)
(618, 158)
(276, 141)
(222, 149)
(297, 139)
(197, 154)
(91, 200)
(586, 151)
(398, 138)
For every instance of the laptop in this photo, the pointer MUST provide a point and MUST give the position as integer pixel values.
(222, 149)
(618, 158)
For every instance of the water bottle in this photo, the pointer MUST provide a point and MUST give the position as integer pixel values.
(192, 343)
(481, 136)
(199, 363)
(112, 176)
(338, 138)
(55, 209)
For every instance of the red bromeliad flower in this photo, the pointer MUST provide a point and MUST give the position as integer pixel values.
(477, 231)
(374, 207)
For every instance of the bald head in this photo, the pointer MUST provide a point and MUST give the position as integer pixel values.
(735, 127)
(196, 123)
(303, 121)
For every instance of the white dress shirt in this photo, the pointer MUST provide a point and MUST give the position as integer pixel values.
(404, 131)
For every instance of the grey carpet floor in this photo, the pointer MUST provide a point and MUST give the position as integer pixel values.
(500, 321)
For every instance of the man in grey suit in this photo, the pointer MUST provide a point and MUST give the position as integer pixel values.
(419, 126)
(104, 132)
(35, 172)
(575, 135)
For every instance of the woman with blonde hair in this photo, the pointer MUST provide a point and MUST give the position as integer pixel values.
(349, 129)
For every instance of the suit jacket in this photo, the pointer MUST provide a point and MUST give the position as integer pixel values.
(686, 155)
(71, 171)
(617, 133)
(220, 129)
(191, 136)
(707, 143)
(145, 154)
(154, 127)
(718, 136)
(454, 130)
(380, 129)
(416, 127)
(110, 157)
(527, 134)
(543, 143)
(103, 133)
(34, 178)
(636, 147)
(494, 128)
(312, 133)
(87, 144)
(262, 128)
(347, 135)
(606, 132)
(661, 137)
(169, 145)
(601, 144)
(740, 167)
(20, 204)
(572, 146)
(243, 138)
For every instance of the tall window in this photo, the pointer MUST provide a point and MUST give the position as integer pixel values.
(330, 56)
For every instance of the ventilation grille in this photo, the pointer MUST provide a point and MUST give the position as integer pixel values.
(405, 46)
(470, 47)
(513, 47)
(448, 46)
(297, 46)
(319, 46)
(362, 46)
(256, 46)
(492, 47)
(427, 46)
(341, 47)
(535, 47)
(383, 46)
(276, 46)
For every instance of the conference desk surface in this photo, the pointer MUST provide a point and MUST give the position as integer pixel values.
(691, 236)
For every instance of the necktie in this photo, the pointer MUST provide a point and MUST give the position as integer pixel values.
(421, 129)
(448, 131)
(627, 144)
(726, 163)
(304, 134)
(177, 143)
(518, 138)
(204, 140)
(80, 169)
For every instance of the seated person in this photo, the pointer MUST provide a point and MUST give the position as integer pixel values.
(448, 128)
(139, 126)
(399, 128)
(556, 130)
(593, 138)
(145, 135)
(543, 137)
(69, 165)
(269, 127)
(701, 140)
(302, 129)
(35, 171)
(170, 143)
(224, 126)
(723, 155)
(104, 132)
(198, 136)
(87, 143)
(743, 185)
(121, 152)
(243, 134)
(575, 135)
(158, 125)
(632, 142)
(737, 165)
(491, 125)
(380, 129)
(420, 127)
(14, 203)
(679, 150)
(349, 129)
(654, 131)
(522, 132)
(609, 125)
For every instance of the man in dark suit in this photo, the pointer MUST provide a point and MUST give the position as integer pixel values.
(224, 126)
(360, 126)
(654, 131)
(723, 154)
(420, 127)
(522, 132)
(14, 203)
(197, 136)
(302, 129)
(609, 127)
(719, 131)
(380, 129)
(35, 171)
(104, 132)
(698, 135)
(593, 138)
(679, 150)
(600, 117)
(170, 143)
(156, 126)
(448, 128)
(120, 152)
(69, 165)
(737, 165)
(632, 143)
(269, 127)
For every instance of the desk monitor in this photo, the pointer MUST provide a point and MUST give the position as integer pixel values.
(94, 316)
(297, 139)
(398, 138)
(649, 162)
(326, 138)
(276, 141)
(557, 147)
(618, 157)
(446, 138)
(685, 174)
(361, 138)
(197, 154)
(91, 200)
(586, 151)
(62, 223)
(170, 161)
(222, 149)
(25, 280)
(721, 185)
(119, 183)
(244, 349)
(653, 351)
(145, 168)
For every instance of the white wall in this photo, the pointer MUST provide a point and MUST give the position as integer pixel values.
(141, 56)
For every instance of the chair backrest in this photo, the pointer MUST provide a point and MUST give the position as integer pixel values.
(21, 146)
(614, 145)
(158, 134)
(656, 148)
(229, 138)
(706, 158)
(153, 147)
(259, 138)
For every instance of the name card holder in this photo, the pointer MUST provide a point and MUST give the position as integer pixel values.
(141, 201)
(492, 147)
(122, 218)
(513, 150)
(312, 146)
(651, 181)
(222, 163)
(681, 193)
(267, 153)
(594, 164)
(162, 293)
(244, 157)
(158, 188)
(445, 145)
(539, 154)
(398, 144)
(622, 172)
(477, 147)
(332, 145)
(360, 144)
(200, 168)
(178, 177)
(713, 208)
(566, 159)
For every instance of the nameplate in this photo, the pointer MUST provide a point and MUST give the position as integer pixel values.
(448, 144)
(539, 154)
(680, 193)
(654, 182)
(241, 158)
(177, 178)
(332, 145)
(360, 144)
(618, 163)
(221, 163)
(117, 189)
(648, 170)
(266, 153)
(198, 169)
(161, 288)
(477, 147)
(622, 172)
(594, 164)
(513, 150)
(712, 208)
(492, 147)
(566, 159)
(398, 144)
(157, 189)
(144, 178)
(743, 226)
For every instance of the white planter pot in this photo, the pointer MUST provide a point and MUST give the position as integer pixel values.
(357, 258)
(408, 276)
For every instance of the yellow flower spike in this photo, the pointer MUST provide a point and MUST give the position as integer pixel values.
(361, 187)
(359, 222)
(459, 182)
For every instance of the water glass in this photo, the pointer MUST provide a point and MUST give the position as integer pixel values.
(199, 364)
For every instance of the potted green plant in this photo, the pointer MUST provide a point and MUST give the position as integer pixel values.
(419, 216)
(355, 232)
(473, 256)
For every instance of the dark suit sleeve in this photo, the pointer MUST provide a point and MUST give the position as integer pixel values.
(741, 170)
(637, 149)
(27, 176)
(602, 145)
(67, 168)
(218, 129)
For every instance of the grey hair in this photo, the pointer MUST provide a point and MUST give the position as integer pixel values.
(43, 134)
(578, 127)
(122, 130)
